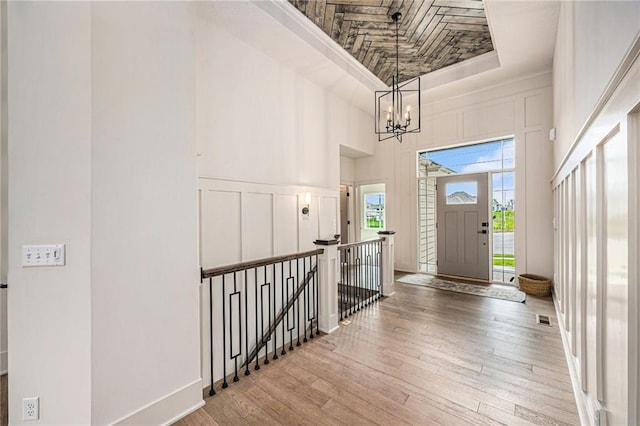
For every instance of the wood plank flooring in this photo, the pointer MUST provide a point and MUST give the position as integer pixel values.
(422, 356)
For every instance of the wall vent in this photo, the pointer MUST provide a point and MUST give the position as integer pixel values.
(543, 319)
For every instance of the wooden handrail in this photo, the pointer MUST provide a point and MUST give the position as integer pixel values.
(228, 269)
(360, 243)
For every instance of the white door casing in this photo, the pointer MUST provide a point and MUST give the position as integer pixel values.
(463, 225)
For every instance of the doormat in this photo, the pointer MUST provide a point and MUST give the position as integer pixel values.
(494, 291)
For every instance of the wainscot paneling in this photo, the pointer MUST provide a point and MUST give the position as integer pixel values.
(242, 221)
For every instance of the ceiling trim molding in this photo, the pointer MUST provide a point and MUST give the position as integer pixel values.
(466, 68)
(285, 13)
(546, 74)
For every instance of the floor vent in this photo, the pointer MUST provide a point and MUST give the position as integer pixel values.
(543, 319)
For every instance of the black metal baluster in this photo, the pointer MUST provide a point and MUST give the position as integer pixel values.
(317, 284)
(359, 278)
(305, 283)
(380, 269)
(370, 292)
(297, 301)
(293, 306)
(349, 282)
(212, 391)
(363, 285)
(343, 280)
(365, 275)
(262, 337)
(282, 307)
(255, 284)
(376, 278)
(275, 310)
(235, 357)
(246, 324)
(340, 283)
(224, 338)
(361, 269)
(311, 299)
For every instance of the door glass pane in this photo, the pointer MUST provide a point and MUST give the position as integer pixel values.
(462, 193)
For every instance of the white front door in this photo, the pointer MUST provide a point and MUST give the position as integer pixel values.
(463, 226)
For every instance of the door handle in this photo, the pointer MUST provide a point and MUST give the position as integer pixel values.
(3, 285)
(484, 231)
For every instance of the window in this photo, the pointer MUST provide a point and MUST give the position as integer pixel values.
(374, 211)
(462, 193)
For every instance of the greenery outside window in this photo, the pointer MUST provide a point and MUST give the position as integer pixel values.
(374, 211)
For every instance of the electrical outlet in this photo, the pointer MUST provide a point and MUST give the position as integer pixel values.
(31, 408)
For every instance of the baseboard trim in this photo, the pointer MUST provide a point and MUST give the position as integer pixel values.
(4, 362)
(169, 408)
(582, 401)
(330, 331)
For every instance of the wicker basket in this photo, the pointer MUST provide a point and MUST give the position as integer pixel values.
(534, 285)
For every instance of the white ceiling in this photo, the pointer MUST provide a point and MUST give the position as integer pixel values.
(523, 33)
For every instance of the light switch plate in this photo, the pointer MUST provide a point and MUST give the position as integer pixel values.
(43, 255)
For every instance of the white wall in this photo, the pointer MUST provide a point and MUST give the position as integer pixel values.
(103, 159)
(596, 98)
(266, 137)
(521, 109)
(4, 187)
(347, 170)
(144, 264)
(50, 202)
(581, 75)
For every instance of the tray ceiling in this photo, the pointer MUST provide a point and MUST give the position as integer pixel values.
(432, 33)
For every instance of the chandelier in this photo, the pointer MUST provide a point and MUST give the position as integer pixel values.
(398, 109)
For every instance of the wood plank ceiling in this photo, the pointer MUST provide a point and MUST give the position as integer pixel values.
(432, 33)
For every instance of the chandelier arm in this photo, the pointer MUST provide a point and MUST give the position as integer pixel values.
(397, 121)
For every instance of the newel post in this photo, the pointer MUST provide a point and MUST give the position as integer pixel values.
(388, 262)
(328, 280)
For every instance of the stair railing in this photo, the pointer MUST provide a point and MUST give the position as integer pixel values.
(360, 275)
(260, 307)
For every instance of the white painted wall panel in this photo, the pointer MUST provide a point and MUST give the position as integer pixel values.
(592, 40)
(592, 271)
(328, 224)
(443, 128)
(539, 216)
(308, 229)
(257, 225)
(534, 110)
(488, 120)
(347, 170)
(617, 280)
(286, 224)
(220, 228)
(285, 129)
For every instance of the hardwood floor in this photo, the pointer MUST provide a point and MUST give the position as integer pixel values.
(422, 356)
